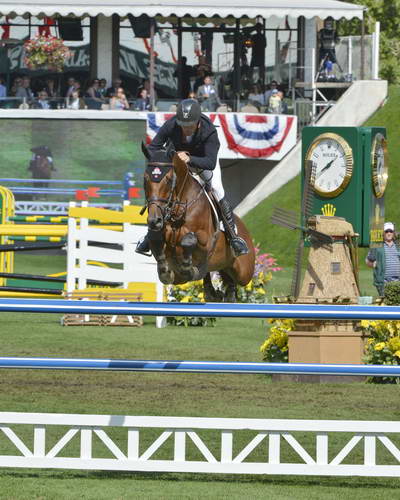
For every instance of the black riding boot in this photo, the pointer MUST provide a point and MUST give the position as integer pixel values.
(237, 244)
(143, 246)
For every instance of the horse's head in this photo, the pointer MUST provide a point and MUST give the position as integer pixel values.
(159, 185)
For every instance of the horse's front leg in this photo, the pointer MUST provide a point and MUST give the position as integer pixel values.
(189, 272)
(157, 246)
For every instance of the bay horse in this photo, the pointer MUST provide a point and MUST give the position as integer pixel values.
(41, 165)
(184, 233)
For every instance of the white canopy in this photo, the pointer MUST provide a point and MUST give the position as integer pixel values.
(183, 8)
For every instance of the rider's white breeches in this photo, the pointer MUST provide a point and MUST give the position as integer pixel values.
(216, 182)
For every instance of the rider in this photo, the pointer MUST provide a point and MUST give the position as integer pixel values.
(196, 141)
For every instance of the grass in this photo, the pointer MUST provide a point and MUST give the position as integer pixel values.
(281, 242)
(243, 396)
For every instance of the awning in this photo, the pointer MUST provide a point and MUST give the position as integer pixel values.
(185, 8)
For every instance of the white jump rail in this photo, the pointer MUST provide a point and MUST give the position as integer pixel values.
(133, 267)
(134, 452)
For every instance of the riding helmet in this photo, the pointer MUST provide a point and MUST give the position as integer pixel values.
(188, 112)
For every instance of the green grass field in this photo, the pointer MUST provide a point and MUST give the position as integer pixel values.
(242, 396)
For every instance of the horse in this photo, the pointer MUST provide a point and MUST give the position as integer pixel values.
(41, 165)
(184, 230)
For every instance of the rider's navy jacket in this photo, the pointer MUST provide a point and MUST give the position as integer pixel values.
(203, 148)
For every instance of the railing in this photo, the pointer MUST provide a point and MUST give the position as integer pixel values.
(205, 445)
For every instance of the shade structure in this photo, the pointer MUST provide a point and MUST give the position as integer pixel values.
(183, 8)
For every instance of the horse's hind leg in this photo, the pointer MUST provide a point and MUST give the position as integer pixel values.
(230, 287)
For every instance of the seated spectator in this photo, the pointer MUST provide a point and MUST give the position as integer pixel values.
(50, 87)
(119, 101)
(70, 86)
(75, 101)
(103, 87)
(207, 95)
(256, 96)
(142, 103)
(274, 104)
(3, 89)
(93, 97)
(16, 83)
(42, 102)
(112, 91)
(24, 91)
(272, 86)
(146, 85)
(284, 105)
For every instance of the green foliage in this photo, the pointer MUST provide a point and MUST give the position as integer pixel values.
(392, 293)
(383, 346)
(387, 12)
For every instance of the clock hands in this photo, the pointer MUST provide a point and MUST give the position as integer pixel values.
(325, 168)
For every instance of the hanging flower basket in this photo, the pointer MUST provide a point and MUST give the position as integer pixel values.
(46, 52)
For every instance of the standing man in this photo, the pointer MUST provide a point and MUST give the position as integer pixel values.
(195, 140)
(385, 260)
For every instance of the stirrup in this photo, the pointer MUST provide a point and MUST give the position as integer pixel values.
(239, 246)
(143, 247)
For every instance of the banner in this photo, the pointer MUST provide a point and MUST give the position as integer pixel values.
(242, 135)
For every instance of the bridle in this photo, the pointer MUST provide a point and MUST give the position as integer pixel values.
(172, 209)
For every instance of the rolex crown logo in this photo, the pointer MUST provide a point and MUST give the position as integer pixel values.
(328, 210)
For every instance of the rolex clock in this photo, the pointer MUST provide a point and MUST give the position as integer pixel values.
(350, 175)
(379, 165)
(332, 158)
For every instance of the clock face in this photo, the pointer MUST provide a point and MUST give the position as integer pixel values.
(379, 165)
(331, 158)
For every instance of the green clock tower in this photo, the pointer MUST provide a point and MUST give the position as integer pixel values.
(350, 176)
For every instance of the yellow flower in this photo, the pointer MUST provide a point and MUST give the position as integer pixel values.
(397, 353)
(249, 286)
(379, 346)
(365, 323)
(370, 341)
(186, 299)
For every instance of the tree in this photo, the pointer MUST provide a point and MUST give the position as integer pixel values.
(387, 12)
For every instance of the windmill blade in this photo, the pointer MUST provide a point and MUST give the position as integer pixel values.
(296, 276)
(322, 238)
(308, 190)
(285, 218)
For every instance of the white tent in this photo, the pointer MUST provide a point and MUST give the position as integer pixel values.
(183, 8)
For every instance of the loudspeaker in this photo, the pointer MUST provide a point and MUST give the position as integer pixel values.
(141, 25)
(70, 29)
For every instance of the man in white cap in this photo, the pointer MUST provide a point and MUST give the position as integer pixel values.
(385, 260)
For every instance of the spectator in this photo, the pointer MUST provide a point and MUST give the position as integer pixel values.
(24, 90)
(143, 102)
(16, 83)
(256, 96)
(75, 101)
(207, 95)
(112, 91)
(146, 85)
(70, 86)
(119, 101)
(274, 104)
(272, 86)
(50, 87)
(385, 260)
(93, 97)
(284, 106)
(103, 87)
(186, 74)
(3, 89)
(42, 102)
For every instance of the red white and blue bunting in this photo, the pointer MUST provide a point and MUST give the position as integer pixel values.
(243, 135)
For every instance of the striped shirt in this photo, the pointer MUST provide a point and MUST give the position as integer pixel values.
(392, 263)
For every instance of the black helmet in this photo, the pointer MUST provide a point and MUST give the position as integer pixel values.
(188, 113)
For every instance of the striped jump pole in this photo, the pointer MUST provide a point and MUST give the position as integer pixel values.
(130, 365)
(322, 312)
